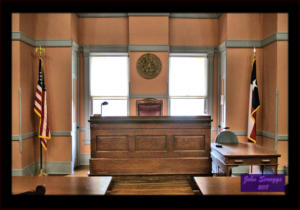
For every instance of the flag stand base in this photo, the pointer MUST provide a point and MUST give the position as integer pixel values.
(42, 173)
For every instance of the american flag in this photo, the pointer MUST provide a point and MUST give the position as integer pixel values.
(40, 107)
(253, 104)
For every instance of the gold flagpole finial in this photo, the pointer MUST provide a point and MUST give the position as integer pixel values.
(40, 51)
(254, 54)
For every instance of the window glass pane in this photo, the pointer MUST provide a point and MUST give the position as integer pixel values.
(109, 75)
(186, 107)
(188, 76)
(115, 107)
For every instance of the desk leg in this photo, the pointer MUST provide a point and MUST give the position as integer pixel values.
(228, 170)
(275, 169)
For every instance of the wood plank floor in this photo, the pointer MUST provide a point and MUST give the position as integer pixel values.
(147, 185)
(150, 185)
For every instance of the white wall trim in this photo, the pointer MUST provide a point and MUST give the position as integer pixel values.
(171, 15)
(57, 167)
(261, 133)
(278, 36)
(84, 159)
(34, 134)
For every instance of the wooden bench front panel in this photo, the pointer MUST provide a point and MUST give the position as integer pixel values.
(148, 148)
(129, 143)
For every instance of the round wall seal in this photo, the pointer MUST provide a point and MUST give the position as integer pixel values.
(148, 66)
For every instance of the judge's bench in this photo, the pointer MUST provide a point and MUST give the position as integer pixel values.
(148, 145)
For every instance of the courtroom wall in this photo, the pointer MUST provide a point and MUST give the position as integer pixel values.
(271, 72)
(103, 31)
(57, 71)
(194, 32)
(272, 68)
(238, 75)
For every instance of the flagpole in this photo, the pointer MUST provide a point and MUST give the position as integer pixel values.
(254, 52)
(40, 50)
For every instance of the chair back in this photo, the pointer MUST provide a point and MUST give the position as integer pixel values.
(226, 137)
(149, 107)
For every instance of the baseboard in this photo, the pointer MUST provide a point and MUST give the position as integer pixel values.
(84, 159)
(33, 169)
(237, 171)
(29, 170)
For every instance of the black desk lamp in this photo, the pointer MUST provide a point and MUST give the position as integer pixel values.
(103, 104)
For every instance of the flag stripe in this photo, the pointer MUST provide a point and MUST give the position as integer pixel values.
(38, 98)
(38, 107)
(39, 89)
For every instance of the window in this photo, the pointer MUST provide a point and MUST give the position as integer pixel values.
(109, 82)
(188, 84)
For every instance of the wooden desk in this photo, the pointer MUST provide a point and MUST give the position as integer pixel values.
(232, 155)
(227, 186)
(144, 145)
(59, 185)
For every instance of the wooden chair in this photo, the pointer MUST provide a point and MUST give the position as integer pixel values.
(149, 107)
(226, 137)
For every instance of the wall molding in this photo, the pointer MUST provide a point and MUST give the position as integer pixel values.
(101, 15)
(103, 48)
(84, 159)
(54, 43)
(148, 96)
(29, 170)
(34, 134)
(278, 36)
(33, 169)
(148, 14)
(243, 43)
(261, 133)
(171, 15)
(196, 15)
(147, 48)
(20, 36)
(221, 47)
(24, 136)
(214, 128)
(237, 171)
(58, 167)
(192, 49)
(61, 133)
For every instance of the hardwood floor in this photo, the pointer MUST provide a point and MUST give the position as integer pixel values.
(150, 185)
(147, 185)
(80, 171)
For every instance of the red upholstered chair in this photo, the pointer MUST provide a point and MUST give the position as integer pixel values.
(149, 107)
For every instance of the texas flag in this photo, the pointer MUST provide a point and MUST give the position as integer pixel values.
(253, 104)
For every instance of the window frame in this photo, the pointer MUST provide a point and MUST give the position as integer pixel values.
(208, 97)
(88, 51)
(91, 98)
